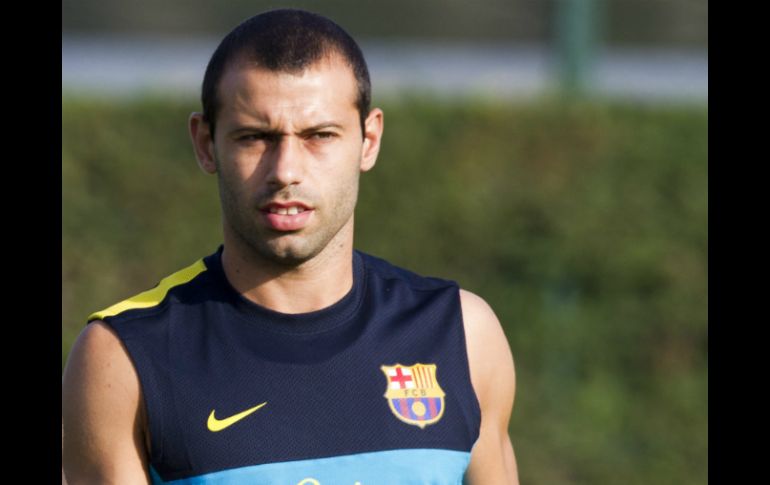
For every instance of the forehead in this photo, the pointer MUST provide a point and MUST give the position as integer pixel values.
(325, 88)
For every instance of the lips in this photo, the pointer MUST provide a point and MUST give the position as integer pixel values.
(290, 211)
(287, 216)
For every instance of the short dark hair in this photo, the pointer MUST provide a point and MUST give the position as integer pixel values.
(287, 40)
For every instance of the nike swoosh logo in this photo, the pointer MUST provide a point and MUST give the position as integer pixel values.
(215, 424)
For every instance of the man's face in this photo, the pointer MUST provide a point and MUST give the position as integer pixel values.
(289, 151)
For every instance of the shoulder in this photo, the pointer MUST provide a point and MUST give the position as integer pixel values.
(477, 310)
(99, 371)
(98, 350)
(386, 270)
(481, 323)
(494, 381)
(102, 413)
(151, 299)
(489, 355)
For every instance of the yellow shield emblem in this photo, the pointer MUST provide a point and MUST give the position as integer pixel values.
(413, 393)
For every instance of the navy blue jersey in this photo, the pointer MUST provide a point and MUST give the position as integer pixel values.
(374, 389)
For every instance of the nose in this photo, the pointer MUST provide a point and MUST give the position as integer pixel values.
(285, 163)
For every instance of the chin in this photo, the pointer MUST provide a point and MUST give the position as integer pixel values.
(288, 260)
(287, 255)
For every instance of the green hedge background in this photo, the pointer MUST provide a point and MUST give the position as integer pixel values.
(583, 224)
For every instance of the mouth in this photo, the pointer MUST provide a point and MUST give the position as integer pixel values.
(287, 216)
(291, 211)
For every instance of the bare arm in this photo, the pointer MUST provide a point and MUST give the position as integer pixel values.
(103, 438)
(494, 380)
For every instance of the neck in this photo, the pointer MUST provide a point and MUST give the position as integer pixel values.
(312, 285)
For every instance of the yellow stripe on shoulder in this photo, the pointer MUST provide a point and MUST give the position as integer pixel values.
(153, 296)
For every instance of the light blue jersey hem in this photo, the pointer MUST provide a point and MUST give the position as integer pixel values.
(423, 466)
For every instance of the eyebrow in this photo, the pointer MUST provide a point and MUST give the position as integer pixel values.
(271, 131)
(321, 126)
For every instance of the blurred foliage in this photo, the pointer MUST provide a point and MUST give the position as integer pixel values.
(681, 23)
(583, 224)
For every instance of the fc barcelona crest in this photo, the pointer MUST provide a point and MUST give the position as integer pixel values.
(413, 393)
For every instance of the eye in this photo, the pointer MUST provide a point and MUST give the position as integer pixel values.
(258, 137)
(323, 135)
(252, 137)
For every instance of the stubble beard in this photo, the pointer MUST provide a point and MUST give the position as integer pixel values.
(283, 249)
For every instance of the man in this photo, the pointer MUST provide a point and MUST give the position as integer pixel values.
(287, 357)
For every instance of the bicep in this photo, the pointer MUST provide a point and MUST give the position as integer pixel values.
(102, 440)
(494, 379)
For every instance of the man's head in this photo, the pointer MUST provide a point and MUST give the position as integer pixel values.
(285, 40)
(291, 138)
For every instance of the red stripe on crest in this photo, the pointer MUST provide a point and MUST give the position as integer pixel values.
(403, 408)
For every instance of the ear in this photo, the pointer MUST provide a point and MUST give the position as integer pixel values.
(203, 144)
(373, 126)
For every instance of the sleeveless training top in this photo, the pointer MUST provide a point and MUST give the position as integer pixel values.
(374, 389)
